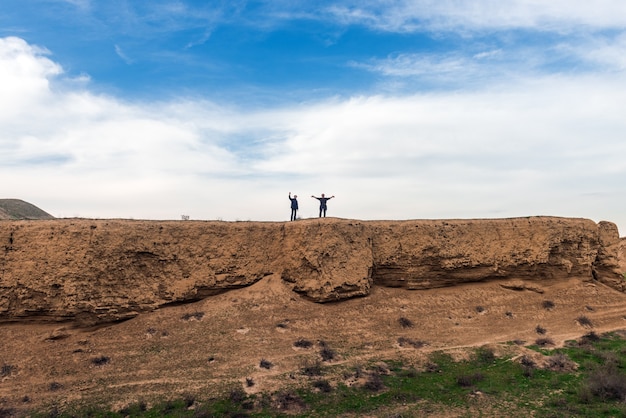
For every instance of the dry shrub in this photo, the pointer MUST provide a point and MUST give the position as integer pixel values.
(288, 401)
(237, 396)
(606, 383)
(323, 386)
(326, 352)
(408, 342)
(544, 342)
(302, 343)
(560, 362)
(100, 361)
(528, 365)
(195, 315)
(312, 368)
(265, 364)
(6, 370)
(540, 330)
(589, 338)
(547, 304)
(405, 322)
(584, 321)
(469, 380)
(374, 382)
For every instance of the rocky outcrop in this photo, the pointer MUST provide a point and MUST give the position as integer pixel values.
(96, 271)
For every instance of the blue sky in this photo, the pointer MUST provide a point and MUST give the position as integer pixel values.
(413, 109)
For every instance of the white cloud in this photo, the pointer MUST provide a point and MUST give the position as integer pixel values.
(546, 146)
(414, 15)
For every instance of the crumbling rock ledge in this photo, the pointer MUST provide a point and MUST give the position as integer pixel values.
(98, 271)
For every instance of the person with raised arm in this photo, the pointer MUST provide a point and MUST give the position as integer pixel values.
(323, 201)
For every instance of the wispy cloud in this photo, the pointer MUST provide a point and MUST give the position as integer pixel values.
(491, 152)
(450, 15)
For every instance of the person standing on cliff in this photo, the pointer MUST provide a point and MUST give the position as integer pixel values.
(323, 201)
(294, 206)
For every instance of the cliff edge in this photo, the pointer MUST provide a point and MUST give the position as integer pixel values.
(98, 271)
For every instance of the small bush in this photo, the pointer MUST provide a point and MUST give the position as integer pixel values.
(249, 382)
(528, 366)
(584, 321)
(374, 382)
(480, 309)
(408, 342)
(432, 367)
(54, 386)
(485, 355)
(606, 383)
(560, 362)
(265, 364)
(6, 370)
(323, 386)
(540, 330)
(509, 314)
(100, 361)
(237, 396)
(327, 353)
(8, 412)
(469, 380)
(544, 342)
(195, 315)
(287, 400)
(547, 304)
(302, 343)
(405, 322)
(312, 369)
(589, 337)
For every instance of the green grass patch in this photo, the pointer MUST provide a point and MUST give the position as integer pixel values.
(586, 378)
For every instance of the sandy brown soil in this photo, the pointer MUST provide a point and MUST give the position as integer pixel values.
(209, 347)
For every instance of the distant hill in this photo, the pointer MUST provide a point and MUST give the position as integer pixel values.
(18, 209)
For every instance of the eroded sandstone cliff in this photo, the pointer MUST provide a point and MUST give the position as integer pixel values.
(97, 271)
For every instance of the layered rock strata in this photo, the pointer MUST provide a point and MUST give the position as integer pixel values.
(98, 271)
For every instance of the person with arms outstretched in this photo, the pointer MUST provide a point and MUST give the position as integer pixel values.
(294, 206)
(323, 201)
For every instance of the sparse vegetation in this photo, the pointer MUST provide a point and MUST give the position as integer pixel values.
(597, 387)
(469, 380)
(100, 361)
(584, 321)
(544, 342)
(405, 322)
(374, 382)
(480, 309)
(54, 386)
(312, 368)
(547, 304)
(409, 342)
(323, 386)
(326, 352)
(302, 343)
(6, 370)
(192, 315)
(265, 364)
(540, 330)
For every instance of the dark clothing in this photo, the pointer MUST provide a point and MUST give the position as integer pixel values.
(323, 207)
(323, 201)
(294, 208)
